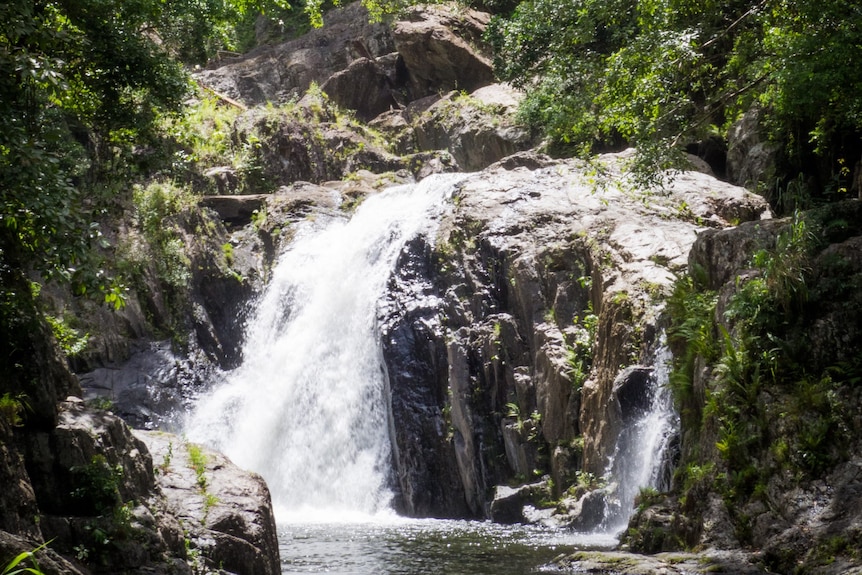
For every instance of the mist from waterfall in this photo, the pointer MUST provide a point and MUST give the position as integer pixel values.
(308, 407)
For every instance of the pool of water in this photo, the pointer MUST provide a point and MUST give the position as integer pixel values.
(426, 547)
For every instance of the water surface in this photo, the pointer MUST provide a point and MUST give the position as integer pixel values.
(426, 547)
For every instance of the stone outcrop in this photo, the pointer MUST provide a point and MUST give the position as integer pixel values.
(477, 129)
(536, 267)
(751, 158)
(363, 66)
(389, 76)
(76, 477)
(801, 512)
(285, 71)
(93, 487)
(438, 45)
(226, 512)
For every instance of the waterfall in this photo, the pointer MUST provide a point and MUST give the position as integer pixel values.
(643, 452)
(308, 407)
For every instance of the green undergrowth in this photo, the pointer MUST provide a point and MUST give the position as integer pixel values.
(198, 461)
(762, 390)
(214, 132)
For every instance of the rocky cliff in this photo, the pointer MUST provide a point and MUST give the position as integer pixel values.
(77, 477)
(518, 341)
(505, 337)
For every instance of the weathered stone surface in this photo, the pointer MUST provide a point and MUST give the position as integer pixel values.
(18, 508)
(438, 44)
(235, 210)
(49, 562)
(722, 254)
(226, 512)
(601, 562)
(477, 129)
(225, 179)
(364, 87)
(305, 143)
(56, 460)
(285, 71)
(524, 259)
(750, 157)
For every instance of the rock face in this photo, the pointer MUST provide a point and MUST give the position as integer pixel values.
(438, 48)
(92, 486)
(751, 158)
(76, 476)
(389, 76)
(801, 508)
(225, 512)
(504, 339)
(285, 71)
(473, 128)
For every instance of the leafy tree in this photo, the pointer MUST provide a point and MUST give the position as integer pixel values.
(79, 82)
(660, 74)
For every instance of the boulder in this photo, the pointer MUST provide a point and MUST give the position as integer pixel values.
(226, 512)
(588, 512)
(508, 503)
(363, 87)
(70, 458)
(285, 71)
(442, 49)
(477, 129)
(751, 158)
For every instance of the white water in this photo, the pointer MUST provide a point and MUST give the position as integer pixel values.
(639, 459)
(307, 409)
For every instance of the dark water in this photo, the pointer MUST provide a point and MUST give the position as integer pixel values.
(426, 547)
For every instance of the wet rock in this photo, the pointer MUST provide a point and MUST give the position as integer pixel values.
(544, 289)
(147, 389)
(601, 562)
(508, 504)
(631, 392)
(423, 450)
(587, 512)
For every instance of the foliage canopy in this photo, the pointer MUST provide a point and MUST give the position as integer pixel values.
(660, 74)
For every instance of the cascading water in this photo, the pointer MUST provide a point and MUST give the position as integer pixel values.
(643, 451)
(307, 409)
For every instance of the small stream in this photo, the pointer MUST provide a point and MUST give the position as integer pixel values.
(397, 546)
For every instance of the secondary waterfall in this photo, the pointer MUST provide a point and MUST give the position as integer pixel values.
(308, 407)
(644, 449)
